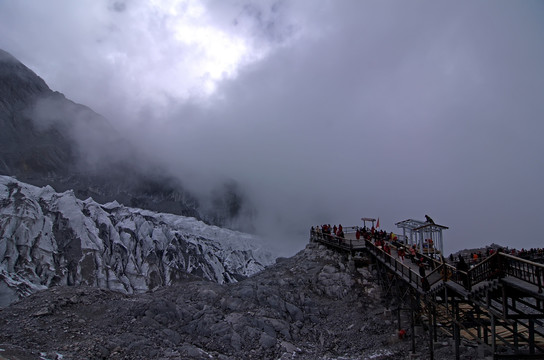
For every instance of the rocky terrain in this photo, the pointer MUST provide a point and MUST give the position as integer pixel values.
(310, 306)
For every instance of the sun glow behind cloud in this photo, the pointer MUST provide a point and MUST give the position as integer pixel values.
(195, 54)
(220, 53)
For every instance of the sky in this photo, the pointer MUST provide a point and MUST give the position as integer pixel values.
(323, 111)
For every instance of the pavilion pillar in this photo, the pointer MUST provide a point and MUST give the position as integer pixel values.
(441, 243)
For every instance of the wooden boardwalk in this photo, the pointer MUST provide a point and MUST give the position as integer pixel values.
(499, 302)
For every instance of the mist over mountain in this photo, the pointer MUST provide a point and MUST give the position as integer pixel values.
(46, 139)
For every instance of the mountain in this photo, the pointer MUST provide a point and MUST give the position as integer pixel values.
(25, 148)
(52, 239)
(46, 139)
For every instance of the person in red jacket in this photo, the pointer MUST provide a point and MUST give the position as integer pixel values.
(387, 249)
(413, 253)
(401, 253)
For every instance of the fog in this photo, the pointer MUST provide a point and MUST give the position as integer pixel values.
(323, 112)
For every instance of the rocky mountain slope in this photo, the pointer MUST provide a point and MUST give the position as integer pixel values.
(310, 306)
(49, 239)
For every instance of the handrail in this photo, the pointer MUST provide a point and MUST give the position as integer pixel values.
(436, 270)
(529, 262)
(405, 271)
(333, 240)
(496, 265)
(485, 270)
(526, 270)
(350, 229)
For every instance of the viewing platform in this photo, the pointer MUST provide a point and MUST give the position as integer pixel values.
(498, 302)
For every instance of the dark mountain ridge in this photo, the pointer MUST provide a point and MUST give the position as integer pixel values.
(24, 147)
(46, 139)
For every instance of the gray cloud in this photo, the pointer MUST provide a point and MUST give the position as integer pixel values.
(345, 110)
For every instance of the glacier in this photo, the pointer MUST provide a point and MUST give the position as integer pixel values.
(50, 239)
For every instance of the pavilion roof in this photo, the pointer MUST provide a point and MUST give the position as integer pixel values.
(418, 225)
(432, 227)
(410, 224)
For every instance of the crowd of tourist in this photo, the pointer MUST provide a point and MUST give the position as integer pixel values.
(327, 230)
(532, 254)
(365, 233)
(475, 257)
(387, 242)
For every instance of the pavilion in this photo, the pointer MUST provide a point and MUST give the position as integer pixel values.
(427, 236)
(371, 220)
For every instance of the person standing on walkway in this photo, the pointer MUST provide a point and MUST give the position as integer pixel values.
(400, 253)
(421, 268)
(462, 267)
(413, 254)
(387, 249)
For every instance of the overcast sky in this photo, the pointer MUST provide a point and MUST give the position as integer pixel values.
(324, 111)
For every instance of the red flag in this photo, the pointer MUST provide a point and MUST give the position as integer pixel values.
(378, 223)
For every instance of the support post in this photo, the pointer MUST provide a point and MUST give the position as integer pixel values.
(486, 335)
(531, 336)
(446, 299)
(413, 327)
(504, 303)
(456, 331)
(539, 279)
(515, 334)
(493, 334)
(479, 325)
(434, 324)
(431, 342)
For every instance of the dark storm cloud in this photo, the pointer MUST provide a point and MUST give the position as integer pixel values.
(384, 109)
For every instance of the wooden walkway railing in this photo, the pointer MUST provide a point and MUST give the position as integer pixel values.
(498, 265)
